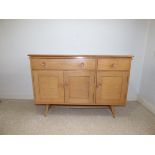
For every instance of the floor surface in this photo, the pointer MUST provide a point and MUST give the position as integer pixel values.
(23, 117)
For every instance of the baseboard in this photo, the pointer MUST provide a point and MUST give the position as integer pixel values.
(146, 104)
(15, 96)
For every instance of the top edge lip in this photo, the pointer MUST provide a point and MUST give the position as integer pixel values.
(80, 55)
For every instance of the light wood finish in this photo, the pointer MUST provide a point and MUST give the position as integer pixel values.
(114, 64)
(63, 64)
(48, 87)
(111, 87)
(79, 87)
(84, 80)
(51, 56)
(112, 111)
(46, 109)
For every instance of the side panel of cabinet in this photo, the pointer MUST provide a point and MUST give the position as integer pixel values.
(112, 87)
(48, 87)
(79, 87)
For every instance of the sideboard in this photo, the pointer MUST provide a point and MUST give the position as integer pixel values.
(84, 80)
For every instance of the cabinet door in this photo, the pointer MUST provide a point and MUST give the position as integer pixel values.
(111, 87)
(48, 86)
(79, 87)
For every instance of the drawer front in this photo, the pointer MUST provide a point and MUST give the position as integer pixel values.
(114, 64)
(63, 64)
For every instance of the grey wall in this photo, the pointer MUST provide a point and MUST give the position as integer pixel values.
(21, 37)
(147, 87)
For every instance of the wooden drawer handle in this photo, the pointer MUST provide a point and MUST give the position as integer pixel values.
(43, 64)
(112, 65)
(82, 64)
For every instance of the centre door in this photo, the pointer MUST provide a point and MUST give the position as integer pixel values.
(79, 87)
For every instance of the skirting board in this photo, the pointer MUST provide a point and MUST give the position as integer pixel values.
(146, 104)
(16, 96)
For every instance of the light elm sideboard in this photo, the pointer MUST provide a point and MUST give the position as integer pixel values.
(83, 80)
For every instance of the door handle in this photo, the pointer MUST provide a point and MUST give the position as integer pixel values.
(99, 85)
(66, 83)
(61, 85)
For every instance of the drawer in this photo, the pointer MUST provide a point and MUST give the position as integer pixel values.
(114, 64)
(63, 64)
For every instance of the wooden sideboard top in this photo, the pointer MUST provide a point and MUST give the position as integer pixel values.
(77, 56)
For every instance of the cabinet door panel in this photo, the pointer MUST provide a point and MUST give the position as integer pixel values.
(111, 87)
(79, 87)
(48, 86)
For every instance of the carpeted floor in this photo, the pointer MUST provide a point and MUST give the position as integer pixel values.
(23, 117)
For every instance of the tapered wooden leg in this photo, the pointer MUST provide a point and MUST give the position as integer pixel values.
(46, 109)
(112, 110)
(50, 105)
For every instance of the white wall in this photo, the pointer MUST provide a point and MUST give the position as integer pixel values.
(21, 37)
(147, 88)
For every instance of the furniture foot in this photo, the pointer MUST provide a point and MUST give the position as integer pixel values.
(112, 110)
(46, 109)
(49, 106)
